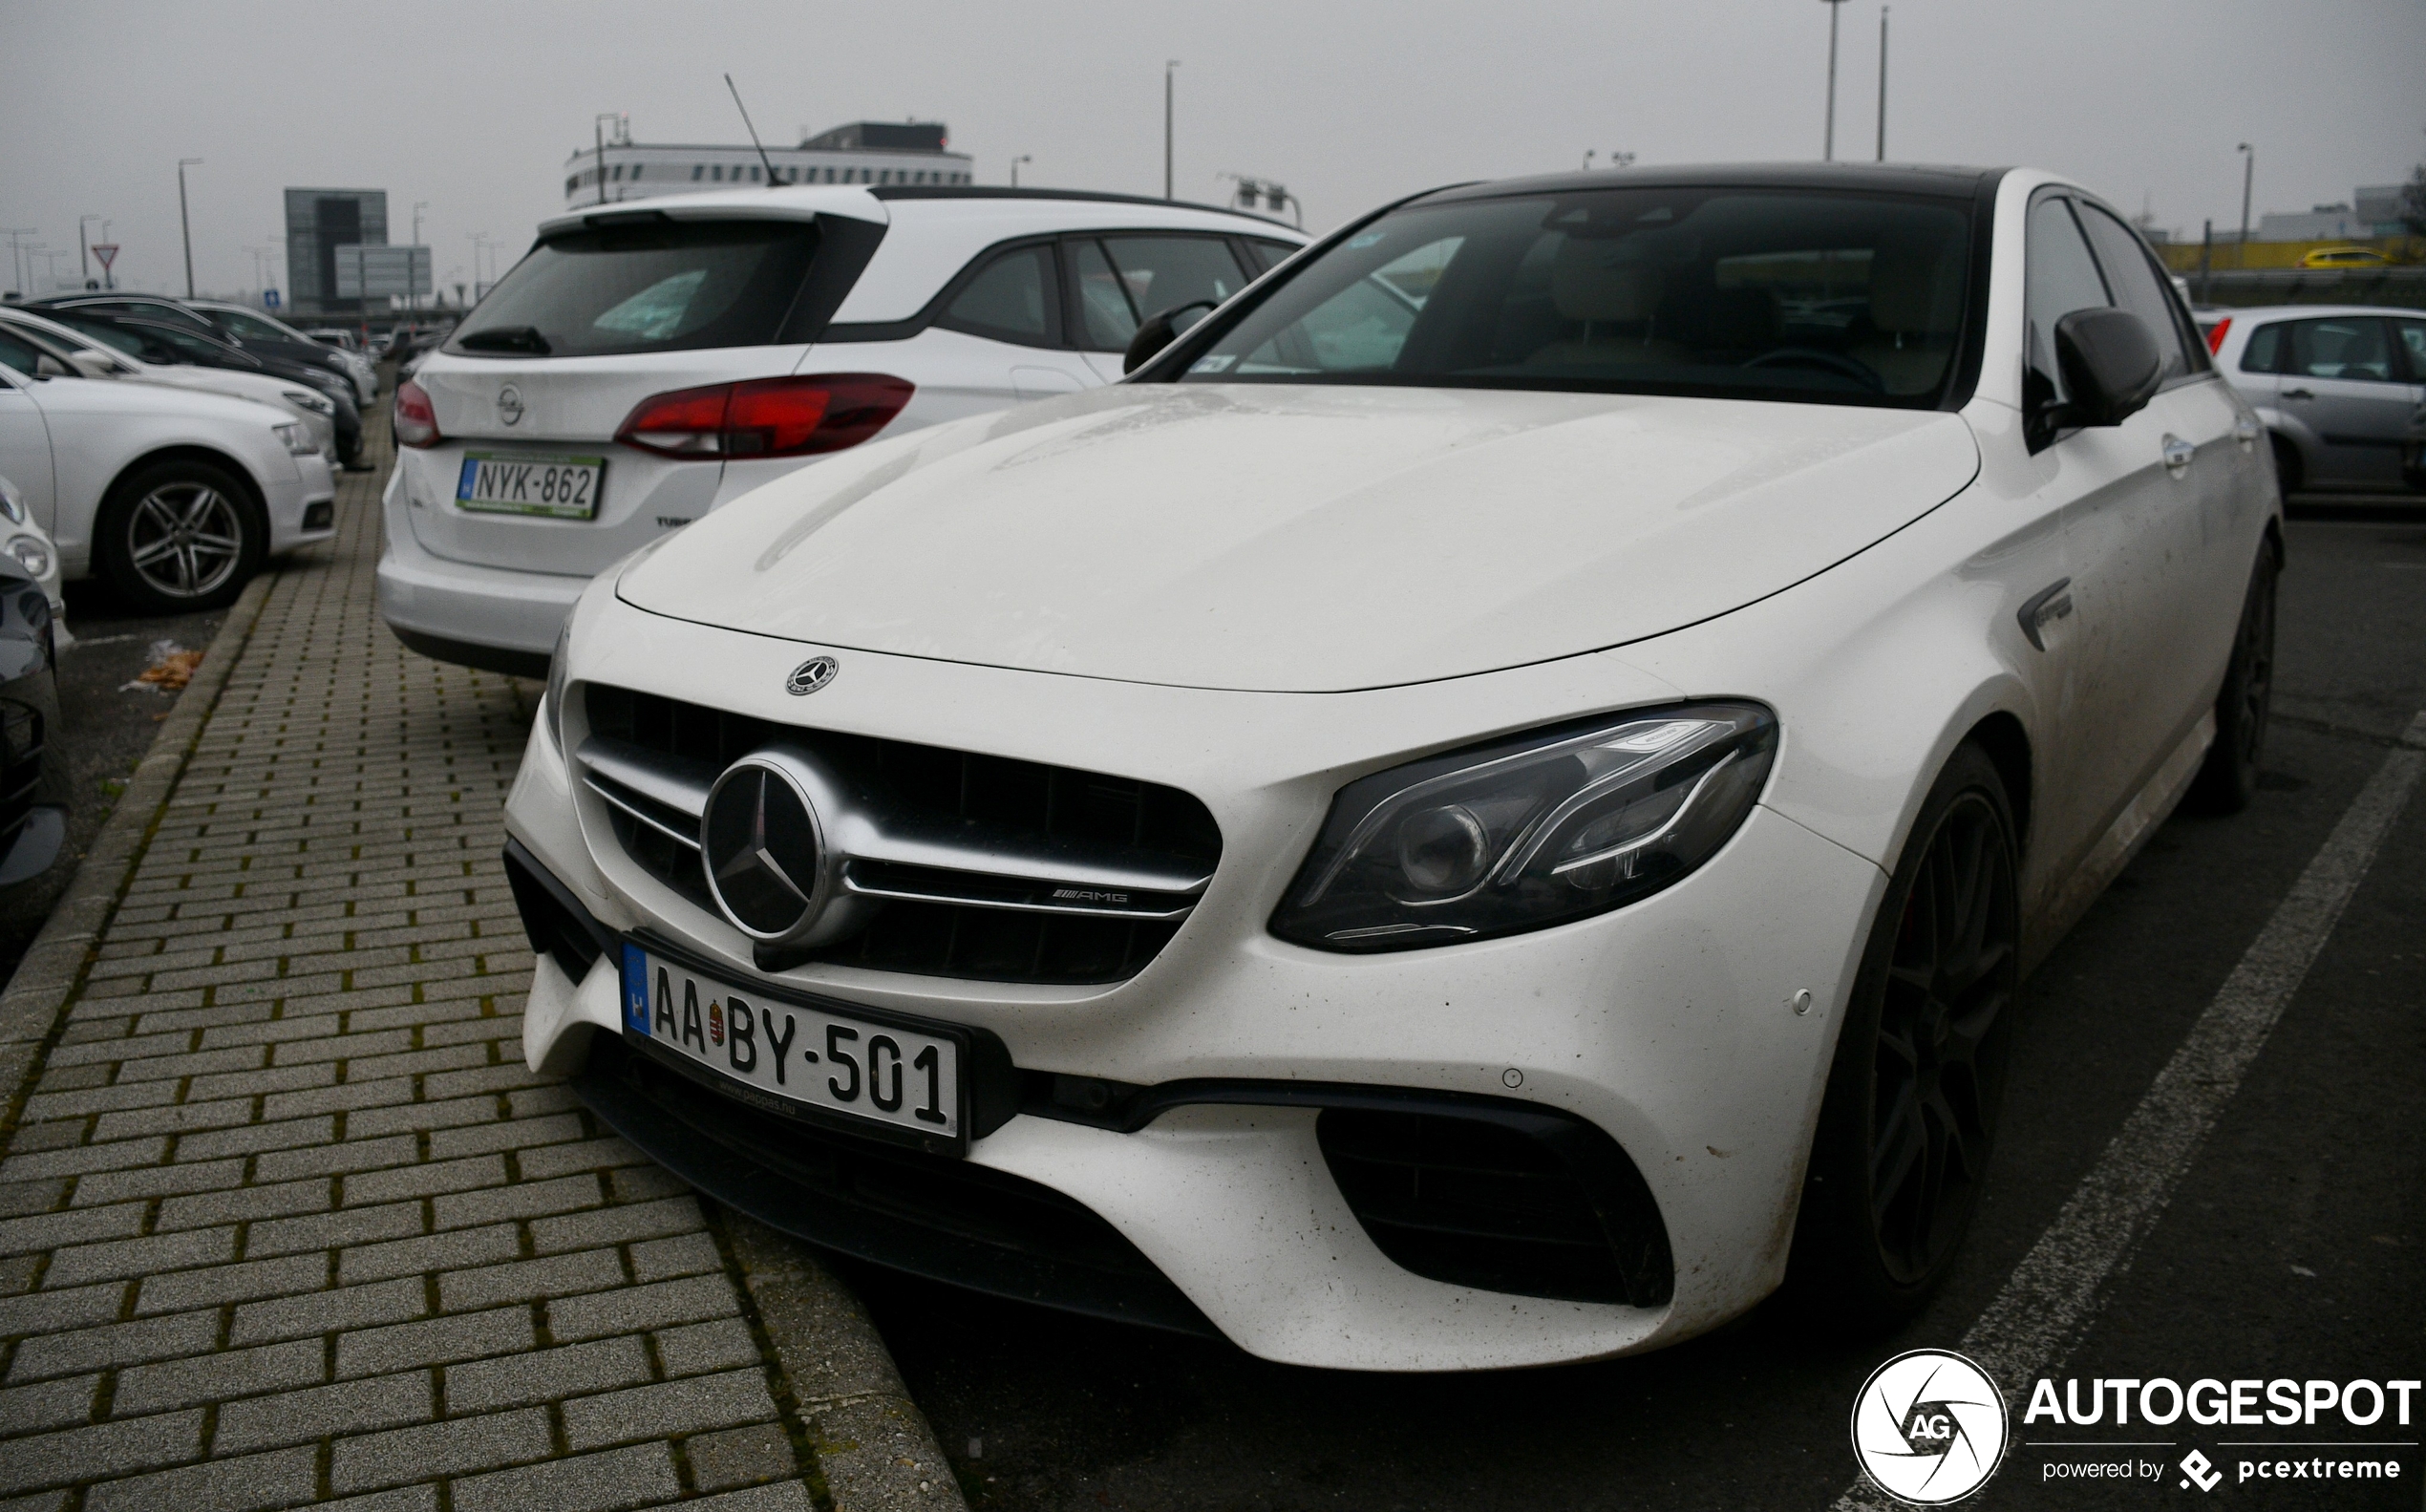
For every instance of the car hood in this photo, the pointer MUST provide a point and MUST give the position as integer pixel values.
(1304, 538)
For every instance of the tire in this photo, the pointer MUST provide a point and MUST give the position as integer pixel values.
(2288, 475)
(1914, 1093)
(2230, 777)
(179, 536)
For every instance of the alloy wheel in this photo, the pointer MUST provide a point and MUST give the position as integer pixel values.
(1943, 1027)
(184, 538)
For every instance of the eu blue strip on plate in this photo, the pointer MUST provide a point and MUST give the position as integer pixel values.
(635, 988)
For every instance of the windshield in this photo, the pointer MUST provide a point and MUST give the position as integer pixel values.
(1754, 293)
(659, 285)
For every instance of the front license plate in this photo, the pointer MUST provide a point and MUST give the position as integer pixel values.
(789, 1057)
(526, 483)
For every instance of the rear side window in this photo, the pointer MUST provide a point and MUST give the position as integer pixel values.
(17, 353)
(657, 285)
(1010, 299)
(2264, 350)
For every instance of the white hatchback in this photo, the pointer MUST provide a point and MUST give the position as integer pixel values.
(645, 365)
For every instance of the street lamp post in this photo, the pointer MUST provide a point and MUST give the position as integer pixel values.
(1828, 148)
(1882, 83)
(598, 133)
(2248, 179)
(1168, 70)
(1025, 157)
(16, 252)
(183, 223)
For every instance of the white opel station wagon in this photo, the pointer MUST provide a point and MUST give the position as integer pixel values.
(646, 364)
(1486, 806)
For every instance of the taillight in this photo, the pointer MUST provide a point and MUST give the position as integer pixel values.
(767, 416)
(2215, 336)
(417, 419)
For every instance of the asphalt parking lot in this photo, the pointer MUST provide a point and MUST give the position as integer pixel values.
(2290, 1248)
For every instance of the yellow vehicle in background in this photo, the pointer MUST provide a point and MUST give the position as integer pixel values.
(2345, 257)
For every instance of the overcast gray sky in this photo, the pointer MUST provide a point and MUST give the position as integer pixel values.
(474, 107)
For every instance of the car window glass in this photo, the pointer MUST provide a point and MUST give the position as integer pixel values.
(1361, 327)
(15, 352)
(2264, 350)
(1009, 299)
(2412, 340)
(2133, 280)
(2060, 276)
(653, 286)
(192, 349)
(1160, 273)
(2348, 347)
(250, 327)
(1105, 315)
(1268, 253)
(1781, 294)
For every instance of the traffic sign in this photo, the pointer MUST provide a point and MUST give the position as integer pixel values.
(269, 299)
(107, 252)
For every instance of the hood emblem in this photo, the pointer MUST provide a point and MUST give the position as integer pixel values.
(811, 675)
(509, 405)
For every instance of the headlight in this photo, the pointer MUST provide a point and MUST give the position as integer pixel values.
(292, 436)
(11, 503)
(1529, 831)
(304, 399)
(32, 555)
(557, 660)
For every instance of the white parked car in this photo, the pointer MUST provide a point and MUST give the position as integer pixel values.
(643, 366)
(1486, 807)
(2334, 385)
(177, 498)
(82, 352)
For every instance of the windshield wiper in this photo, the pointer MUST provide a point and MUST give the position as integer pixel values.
(506, 338)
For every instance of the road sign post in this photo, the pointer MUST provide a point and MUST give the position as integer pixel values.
(105, 253)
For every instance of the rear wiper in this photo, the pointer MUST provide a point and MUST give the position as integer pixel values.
(505, 338)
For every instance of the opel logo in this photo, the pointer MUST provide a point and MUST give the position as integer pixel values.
(509, 405)
(811, 675)
(762, 850)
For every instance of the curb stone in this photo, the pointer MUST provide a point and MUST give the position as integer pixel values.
(873, 1444)
(34, 1006)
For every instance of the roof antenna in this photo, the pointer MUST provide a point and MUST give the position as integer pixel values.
(773, 182)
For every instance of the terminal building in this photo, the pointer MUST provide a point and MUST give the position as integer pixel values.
(863, 152)
(318, 223)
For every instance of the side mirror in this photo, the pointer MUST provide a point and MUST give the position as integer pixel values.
(1158, 332)
(2111, 364)
(47, 366)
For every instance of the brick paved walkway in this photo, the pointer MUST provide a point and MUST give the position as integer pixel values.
(284, 1219)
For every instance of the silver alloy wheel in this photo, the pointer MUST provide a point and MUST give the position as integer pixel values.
(184, 538)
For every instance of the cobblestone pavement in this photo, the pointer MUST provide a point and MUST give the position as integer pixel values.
(284, 1219)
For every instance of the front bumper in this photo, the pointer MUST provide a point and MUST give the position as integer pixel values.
(302, 509)
(1665, 1025)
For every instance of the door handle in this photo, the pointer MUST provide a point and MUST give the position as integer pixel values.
(2245, 431)
(2049, 602)
(2299, 394)
(2179, 455)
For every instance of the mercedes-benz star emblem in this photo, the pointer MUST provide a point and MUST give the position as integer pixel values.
(811, 675)
(509, 405)
(762, 850)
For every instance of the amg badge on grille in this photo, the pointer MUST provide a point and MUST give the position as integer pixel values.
(811, 675)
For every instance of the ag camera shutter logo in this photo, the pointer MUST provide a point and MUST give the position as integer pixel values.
(1929, 1427)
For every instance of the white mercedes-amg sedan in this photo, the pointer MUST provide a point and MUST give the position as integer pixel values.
(1485, 806)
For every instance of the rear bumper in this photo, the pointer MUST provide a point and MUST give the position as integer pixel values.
(474, 616)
